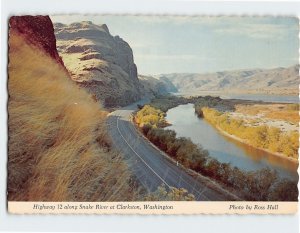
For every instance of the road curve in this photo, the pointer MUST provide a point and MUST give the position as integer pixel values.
(148, 163)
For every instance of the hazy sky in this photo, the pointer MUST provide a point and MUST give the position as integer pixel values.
(172, 44)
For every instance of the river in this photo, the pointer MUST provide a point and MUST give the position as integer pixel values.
(186, 124)
(255, 97)
(264, 98)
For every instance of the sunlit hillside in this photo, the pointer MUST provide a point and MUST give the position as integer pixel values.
(58, 147)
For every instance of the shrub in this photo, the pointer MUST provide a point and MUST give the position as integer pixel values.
(172, 194)
(284, 190)
(255, 186)
(151, 116)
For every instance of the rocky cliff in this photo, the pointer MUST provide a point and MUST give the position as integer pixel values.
(99, 62)
(38, 31)
(153, 86)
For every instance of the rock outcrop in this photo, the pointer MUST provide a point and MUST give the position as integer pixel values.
(99, 62)
(38, 31)
(153, 86)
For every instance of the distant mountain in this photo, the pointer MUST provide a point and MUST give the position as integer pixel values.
(278, 80)
(153, 86)
(99, 62)
(170, 87)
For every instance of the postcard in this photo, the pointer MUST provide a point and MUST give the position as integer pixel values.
(153, 114)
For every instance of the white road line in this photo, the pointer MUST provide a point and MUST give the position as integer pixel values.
(140, 156)
(199, 193)
(181, 179)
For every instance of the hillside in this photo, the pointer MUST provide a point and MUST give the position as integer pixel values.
(58, 148)
(99, 62)
(279, 81)
(154, 87)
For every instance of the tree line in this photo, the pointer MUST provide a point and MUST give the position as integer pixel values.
(262, 185)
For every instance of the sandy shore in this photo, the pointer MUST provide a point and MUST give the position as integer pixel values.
(261, 120)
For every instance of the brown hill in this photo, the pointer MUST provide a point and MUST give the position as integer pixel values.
(278, 80)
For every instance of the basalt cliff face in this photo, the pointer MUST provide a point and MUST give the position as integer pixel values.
(37, 31)
(99, 62)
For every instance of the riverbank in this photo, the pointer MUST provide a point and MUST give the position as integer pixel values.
(262, 184)
(282, 156)
(270, 139)
(230, 195)
(276, 114)
(279, 97)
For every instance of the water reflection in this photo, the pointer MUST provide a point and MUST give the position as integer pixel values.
(225, 149)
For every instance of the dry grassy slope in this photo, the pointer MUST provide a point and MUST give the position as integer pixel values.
(58, 148)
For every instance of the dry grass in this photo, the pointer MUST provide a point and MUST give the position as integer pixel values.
(284, 112)
(58, 147)
(262, 136)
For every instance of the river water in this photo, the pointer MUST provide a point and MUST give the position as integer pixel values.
(255, 97)
(186, 124)
(264, 98)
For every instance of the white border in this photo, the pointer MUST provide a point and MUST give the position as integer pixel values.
(195, 223)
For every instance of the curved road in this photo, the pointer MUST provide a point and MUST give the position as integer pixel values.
(148, 163)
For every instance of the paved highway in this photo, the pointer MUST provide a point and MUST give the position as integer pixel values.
(148, 163)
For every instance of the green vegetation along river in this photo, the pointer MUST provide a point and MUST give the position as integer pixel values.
(186, 124)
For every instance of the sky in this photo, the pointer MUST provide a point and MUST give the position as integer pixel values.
(194, 44)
